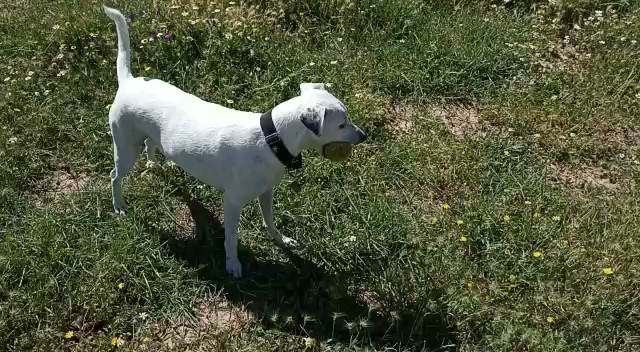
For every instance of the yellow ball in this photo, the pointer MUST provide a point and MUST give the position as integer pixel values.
(337, 151)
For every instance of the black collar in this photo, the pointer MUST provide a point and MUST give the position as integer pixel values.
(277, 145)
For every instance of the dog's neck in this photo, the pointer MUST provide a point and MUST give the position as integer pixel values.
(294, 134)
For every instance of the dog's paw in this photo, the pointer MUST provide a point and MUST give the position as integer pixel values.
(120, 209)
(234, 268)
(288, 242)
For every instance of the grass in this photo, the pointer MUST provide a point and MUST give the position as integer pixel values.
(494, 207)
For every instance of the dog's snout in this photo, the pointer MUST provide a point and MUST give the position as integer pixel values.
(362, 136)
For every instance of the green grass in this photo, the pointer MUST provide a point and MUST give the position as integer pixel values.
(383, 263)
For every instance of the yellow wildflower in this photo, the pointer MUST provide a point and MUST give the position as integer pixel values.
(507, 218)
(460, 222)
(146, 340)
(434, 220)
(550, 320)
(68, 335)
(538, 254)
(148, 68)
(445, 206)
(116, 341)
(309, 342)
(463, 239)
(608, 271)
(121, 285)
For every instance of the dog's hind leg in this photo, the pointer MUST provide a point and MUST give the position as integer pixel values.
(266, 205)
(124, 157)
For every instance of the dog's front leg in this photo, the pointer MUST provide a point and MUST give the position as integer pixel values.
(231, 219)
(266, 205)
(150, 148)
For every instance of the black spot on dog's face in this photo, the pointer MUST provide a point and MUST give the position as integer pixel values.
(312, 122)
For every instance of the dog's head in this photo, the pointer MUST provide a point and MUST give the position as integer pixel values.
(325, 116)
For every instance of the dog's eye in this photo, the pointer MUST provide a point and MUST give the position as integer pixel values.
(343, 125)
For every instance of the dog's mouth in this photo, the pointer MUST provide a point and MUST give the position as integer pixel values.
(337, 151)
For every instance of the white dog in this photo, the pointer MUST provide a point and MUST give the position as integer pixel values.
(243, 154)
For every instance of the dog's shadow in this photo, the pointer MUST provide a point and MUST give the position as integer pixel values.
(299, 297)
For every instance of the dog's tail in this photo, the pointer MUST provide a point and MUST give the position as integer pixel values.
(124, 51)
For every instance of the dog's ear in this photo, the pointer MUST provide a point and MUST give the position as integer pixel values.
(307, 87)
(313, 119)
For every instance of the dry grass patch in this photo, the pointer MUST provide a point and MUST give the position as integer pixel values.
(220, 315)
(584, 176)
(60, 184)
(214, 316)
(64, 182)
(462, 121)
(184, 224)
(401, 117)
